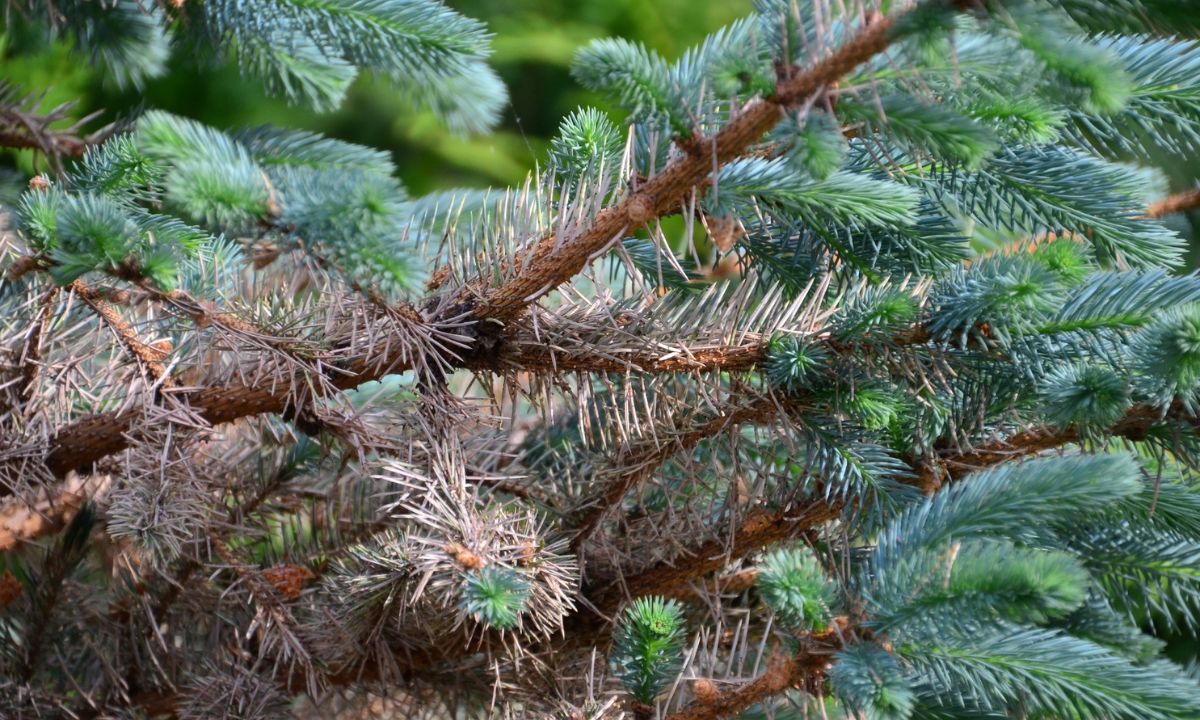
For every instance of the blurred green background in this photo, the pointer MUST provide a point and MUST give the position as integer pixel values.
(533, 46)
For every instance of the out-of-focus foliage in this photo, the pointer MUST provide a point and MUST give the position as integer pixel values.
(534, 41)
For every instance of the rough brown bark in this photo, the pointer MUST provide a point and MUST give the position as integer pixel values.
(555, 260)
(149, 357)
(803, 670)
(642, 464)
(1178, 203)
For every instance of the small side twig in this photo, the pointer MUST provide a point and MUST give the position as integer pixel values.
(149, 357)
(23, 127)
(1172, 204)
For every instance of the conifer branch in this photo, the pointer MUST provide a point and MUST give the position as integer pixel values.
(1172, 204)
(803, 669)
(638, 465)
(758, 529)
(89, 439)
(23, 128)
(954, 464)
(274, 623)
(149, 357)
(719, 358)
(555, 260)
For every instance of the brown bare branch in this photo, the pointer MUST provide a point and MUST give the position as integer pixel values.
(954, 464)
(555, 260)
(726, 358)
(804, 670)
(757, 530)
(89, 439)
(23, 127)
(1172, 204)
(149, 357)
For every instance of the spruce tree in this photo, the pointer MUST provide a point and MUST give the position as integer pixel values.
(854, 373)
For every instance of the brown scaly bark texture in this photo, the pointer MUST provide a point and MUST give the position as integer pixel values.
(1177, 203)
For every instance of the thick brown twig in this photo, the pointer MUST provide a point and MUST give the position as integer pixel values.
(757, 530)
(22, 127)
(726, 358)
(85, 441)
(953, 464)
(89, 439)
(1172, 204)
(149, 357)
(555, 260)
(804, 670)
